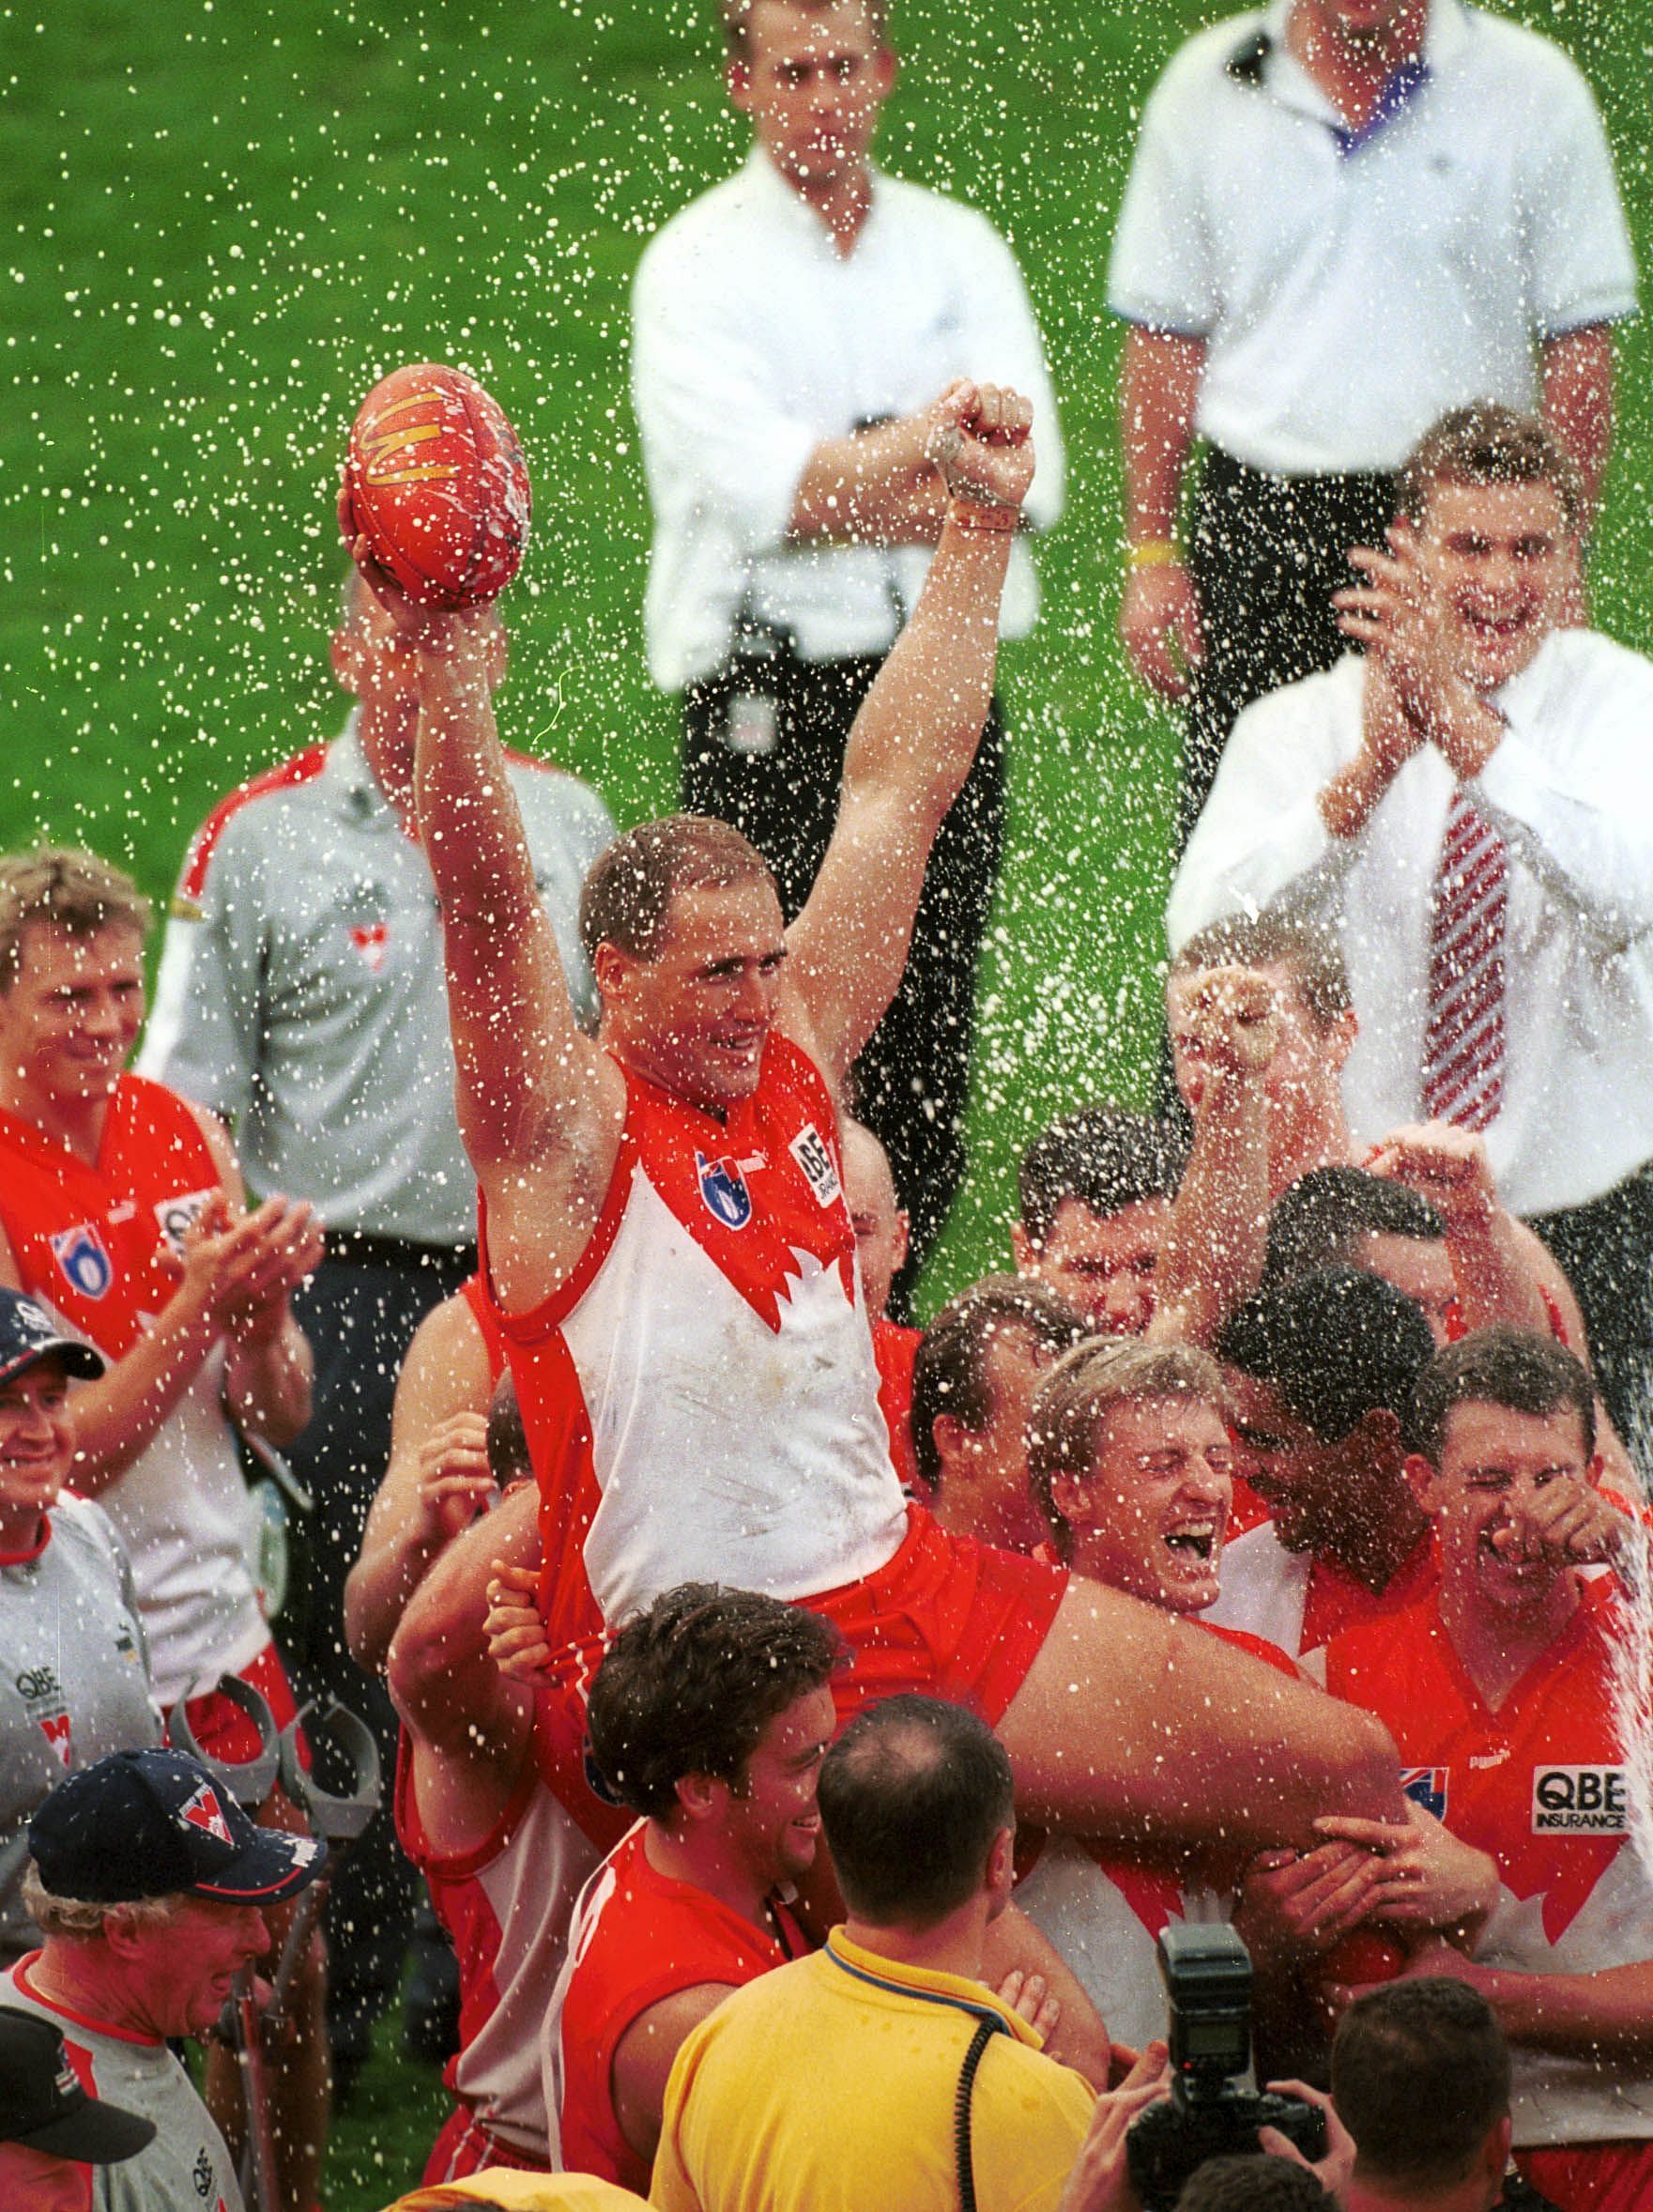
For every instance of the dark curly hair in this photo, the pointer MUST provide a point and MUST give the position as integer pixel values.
(689, 1686)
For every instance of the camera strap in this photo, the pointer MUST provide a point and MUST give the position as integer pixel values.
(962, 2157)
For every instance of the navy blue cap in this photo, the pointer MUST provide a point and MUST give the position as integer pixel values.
(149, 1823)
(28, 1332)
(43, 2105)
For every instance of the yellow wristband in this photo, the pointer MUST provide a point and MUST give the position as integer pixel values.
(1152, 553)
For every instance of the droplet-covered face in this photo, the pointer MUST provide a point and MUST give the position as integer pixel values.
(1495, 558)
(1494, 1465)
(1103, 1265)
(37, 1447)
(813, 81)
(694, 1015)
(1150, 1515)
(72, 1017)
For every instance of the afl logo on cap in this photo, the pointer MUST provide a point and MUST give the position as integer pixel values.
(85, 1261)
(723, 1189)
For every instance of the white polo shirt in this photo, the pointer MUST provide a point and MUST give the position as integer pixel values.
(753, 342)
(1351, 287)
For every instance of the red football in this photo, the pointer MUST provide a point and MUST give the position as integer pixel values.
(437, 483)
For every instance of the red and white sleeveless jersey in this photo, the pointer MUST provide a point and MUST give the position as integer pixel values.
(638, 1937)
(700, 1397)
(1541, 1785)
(506, 1906)
(89, 1242)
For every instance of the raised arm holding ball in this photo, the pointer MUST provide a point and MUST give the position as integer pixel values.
(675, 1185)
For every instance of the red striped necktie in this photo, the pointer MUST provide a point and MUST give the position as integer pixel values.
(1464, 1041)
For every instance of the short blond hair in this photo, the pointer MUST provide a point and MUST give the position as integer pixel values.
(82, 1917)
(1084, 1387)
(65, 889)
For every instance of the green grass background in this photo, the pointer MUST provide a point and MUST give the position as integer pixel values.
(222, 221)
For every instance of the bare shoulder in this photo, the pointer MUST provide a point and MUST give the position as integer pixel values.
(544, 1205)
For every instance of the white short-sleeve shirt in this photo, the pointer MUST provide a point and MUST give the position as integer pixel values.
(1351, 287)
(754, 340)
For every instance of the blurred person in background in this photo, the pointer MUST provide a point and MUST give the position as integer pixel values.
(788, 329)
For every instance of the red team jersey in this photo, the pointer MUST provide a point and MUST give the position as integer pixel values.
(702, 1404)
(894, 1351)
(505, 1905)
(91, 1241)
(1540, 1784)
(638, 1937)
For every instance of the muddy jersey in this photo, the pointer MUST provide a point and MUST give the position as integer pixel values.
(638, 1937)
(1541, 1785)
(187, 2167)
(700, 1397)
(89, 1240)
(74, 1682)
(1106, 1905)
(506, 1906)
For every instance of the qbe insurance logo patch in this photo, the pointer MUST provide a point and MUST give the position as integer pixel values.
(809, 1149)
(1580, 1801)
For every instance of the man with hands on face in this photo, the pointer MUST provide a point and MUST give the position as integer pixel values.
(1500, 1693)
(1464, 804)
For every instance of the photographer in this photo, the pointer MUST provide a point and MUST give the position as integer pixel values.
(837, 2081)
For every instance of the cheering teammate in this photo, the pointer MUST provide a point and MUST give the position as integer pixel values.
(670, 1249)
(1500, 1693)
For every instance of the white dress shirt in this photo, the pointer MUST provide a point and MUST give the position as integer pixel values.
(1570, 788)
(754, 340)
(1352, 287)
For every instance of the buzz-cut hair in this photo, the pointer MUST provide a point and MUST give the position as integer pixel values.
(62, 887)
(1490, 444)
(1517, 1369)
(1322, 1218)
(737, 20)
(1084, 1387)
(950, 1367)
(1421, 2077)
(629, 889)
(1310, 954)
(1103, 1158)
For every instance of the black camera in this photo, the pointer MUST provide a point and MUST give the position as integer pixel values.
(1207, 1976)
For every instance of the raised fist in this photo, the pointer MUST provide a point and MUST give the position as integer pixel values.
(980, 440)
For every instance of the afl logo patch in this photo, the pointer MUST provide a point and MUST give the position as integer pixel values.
(85, 1261)
(1580, 1801)
(723, 1189)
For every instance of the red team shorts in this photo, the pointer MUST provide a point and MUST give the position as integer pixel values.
(944, 1616)
(465, 2147)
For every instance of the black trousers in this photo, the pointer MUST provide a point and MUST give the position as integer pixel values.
(1606, 1250)
(1265, 554)
(912, 1081)
(360, 1315)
